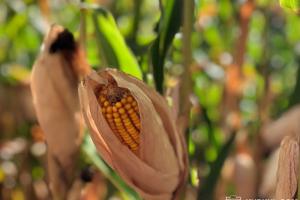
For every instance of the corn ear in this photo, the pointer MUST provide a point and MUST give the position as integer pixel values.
(155, 150)
(54, 80)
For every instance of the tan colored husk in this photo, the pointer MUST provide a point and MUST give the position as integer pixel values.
(288, 166)
(159, 168)
(54, 88)
(287, 124)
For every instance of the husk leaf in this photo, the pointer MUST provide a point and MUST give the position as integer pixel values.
(288, 166)
(287, 124)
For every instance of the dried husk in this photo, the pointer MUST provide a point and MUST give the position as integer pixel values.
(287, 124)
(288, 167)
(54, 84)
(159, 168)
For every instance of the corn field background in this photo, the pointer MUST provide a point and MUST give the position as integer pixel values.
(229, 70)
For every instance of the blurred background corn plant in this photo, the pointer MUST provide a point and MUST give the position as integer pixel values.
(227, 68)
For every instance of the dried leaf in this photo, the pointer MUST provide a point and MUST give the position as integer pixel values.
(288, 166)
(161, 158)
(288, 124)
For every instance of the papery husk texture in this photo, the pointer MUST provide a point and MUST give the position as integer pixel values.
(288, 168)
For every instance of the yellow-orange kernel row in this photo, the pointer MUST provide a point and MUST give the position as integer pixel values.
(123, 118)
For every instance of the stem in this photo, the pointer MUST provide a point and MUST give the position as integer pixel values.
(245, 15)
(263, 103)
(234, 74)
(136, 20)
(186, 82)
(295, 97)
(160, 5)
(82, 28)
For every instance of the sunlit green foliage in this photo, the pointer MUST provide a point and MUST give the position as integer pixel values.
(291, 4)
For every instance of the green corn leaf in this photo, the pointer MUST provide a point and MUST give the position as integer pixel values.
(168, 26)
(291, 4)
(295, 97)
(90, 150)
(112, 46)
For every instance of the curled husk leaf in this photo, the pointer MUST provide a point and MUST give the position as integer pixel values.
(54, 83)
(158, 168)
(287, 124)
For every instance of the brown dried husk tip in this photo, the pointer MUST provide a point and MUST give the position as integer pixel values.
(54, 81)
(288, 168)
(134, 131)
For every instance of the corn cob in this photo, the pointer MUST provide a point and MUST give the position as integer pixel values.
(121, 112)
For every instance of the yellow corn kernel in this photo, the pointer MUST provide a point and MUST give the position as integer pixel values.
(127, 106)
(115, 109)
(130, 111)
(106, 104)
(118, 105)
(126, 120)
(121, 111)
(133, 117)
(115, 114)
(109, 109)
(119, 124)
(117, 120)
(129, 99)
(124, 116)
(123, 101)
